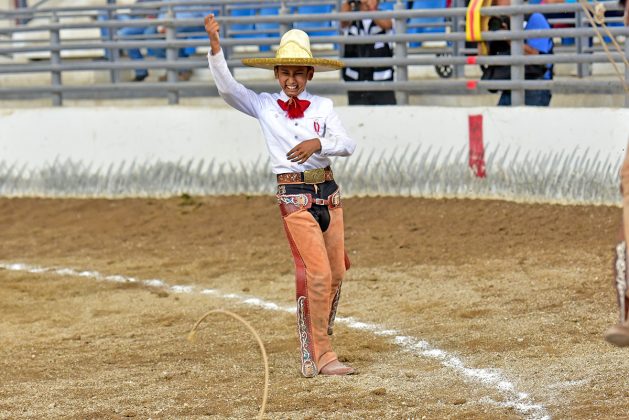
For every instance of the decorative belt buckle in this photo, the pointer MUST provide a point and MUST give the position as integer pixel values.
(314, 176)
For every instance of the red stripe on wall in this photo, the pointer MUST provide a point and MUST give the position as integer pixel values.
(477, 147)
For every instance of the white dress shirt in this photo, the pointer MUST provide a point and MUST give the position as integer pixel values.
(281, 133)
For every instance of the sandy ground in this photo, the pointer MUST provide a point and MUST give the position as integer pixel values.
(519, 291)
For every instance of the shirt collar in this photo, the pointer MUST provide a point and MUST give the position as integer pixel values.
(302, 95)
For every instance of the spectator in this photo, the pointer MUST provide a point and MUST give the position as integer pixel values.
(532, 46)
(377, 50)
(181, 12)
(135, 33)
(567, 40)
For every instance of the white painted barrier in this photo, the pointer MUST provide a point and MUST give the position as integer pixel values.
(393, 143)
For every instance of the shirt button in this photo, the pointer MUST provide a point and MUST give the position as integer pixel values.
(296, 124)
(295, 136)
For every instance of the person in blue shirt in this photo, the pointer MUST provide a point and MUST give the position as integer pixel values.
(533, 46)
(134, 33)
(152, 32)
(182, 11)
(130, 33)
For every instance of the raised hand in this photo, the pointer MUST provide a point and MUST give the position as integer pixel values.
(213, 28)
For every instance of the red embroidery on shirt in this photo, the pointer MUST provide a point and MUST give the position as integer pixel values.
(317, 127)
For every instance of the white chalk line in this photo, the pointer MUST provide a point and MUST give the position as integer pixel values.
(517, 400)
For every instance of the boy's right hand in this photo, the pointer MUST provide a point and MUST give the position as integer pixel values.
(212, 28)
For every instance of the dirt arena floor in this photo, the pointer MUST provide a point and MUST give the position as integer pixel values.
(519, 291)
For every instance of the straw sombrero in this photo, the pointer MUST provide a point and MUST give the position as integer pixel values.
(294, 50)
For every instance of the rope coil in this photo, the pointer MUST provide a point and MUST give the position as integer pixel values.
(192, 336)
(596, 15)
(599, 13)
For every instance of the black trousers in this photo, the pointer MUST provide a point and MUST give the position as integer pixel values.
(375, 97)
(320, 213)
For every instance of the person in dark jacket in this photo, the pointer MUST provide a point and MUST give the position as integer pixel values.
(366, 27)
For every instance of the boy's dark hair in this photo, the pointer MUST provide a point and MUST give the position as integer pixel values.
(622, 2)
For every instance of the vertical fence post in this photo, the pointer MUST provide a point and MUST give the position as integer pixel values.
(20, 20)
(341, 31)
(517, 50)
(55, 60)
(114, 53)
(171, 57)
(583, 69)
(284, 10)
(626, 72)
(226, 29)
(225, 34)
(400, 51)
(339, 3)
(457, 46)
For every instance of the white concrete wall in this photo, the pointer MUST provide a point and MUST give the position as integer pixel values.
(532, 154)
(99, 137)
(531, 129)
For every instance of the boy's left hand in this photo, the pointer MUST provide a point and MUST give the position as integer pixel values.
(213, 28)
(304, 150)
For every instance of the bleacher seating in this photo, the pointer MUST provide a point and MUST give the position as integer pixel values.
(234, 28)
(612, 14)
(29, 38)
(241, 26)
(273, 28)
(426, 4)
(318, 28)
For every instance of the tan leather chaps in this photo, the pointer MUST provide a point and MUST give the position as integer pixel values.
(320, 265)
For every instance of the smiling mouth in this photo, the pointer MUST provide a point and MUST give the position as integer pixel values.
(291, 90)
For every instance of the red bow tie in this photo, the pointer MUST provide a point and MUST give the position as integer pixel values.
(295, 107)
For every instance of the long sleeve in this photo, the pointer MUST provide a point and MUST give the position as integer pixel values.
(335, 141)
(281, 133)
(233, 92)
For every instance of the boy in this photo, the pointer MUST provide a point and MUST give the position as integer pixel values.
(301, 130)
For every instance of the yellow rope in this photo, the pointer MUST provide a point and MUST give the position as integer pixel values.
(597, 15)
(192, 334)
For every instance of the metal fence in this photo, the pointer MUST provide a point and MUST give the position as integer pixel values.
(57, 41)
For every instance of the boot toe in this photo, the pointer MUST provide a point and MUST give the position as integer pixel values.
(618, 335)
(336, 368)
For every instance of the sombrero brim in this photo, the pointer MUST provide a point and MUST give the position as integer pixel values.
(319, 64)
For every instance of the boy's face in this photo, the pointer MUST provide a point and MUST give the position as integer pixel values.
(293, 79)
